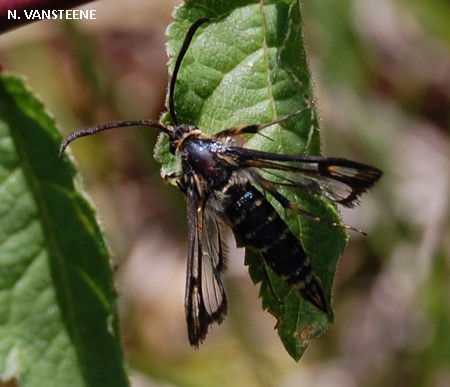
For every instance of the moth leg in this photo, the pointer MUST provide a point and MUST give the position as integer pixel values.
(256, 128)
(237, 131)
(287, 204)
(266, 273)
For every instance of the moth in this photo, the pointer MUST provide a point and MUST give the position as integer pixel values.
(220, 181)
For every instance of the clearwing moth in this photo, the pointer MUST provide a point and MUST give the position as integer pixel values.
(219, 180)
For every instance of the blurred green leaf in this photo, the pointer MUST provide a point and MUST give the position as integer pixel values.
(249, 66)
(58, 324)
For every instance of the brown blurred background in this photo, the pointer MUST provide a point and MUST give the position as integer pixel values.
(381, 69)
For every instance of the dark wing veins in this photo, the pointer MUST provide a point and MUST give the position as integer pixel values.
(339, 179)
(205, 300)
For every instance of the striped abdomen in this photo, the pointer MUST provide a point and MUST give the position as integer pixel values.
(260, 228)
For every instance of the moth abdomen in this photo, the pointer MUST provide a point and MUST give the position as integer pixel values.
(260, 228)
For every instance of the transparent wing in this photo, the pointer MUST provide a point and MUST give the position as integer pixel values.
(214, 263)
(205, 300)
(339, 179)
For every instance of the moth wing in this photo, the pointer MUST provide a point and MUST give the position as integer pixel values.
(205, 299)
(343, 181)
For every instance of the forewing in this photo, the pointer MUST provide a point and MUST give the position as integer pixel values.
(205, 300)
(339, 179)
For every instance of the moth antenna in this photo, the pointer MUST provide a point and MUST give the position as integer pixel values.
(187, 41)
(110, 125)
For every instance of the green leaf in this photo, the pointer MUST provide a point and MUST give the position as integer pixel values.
(248, 65)
(58, 324)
